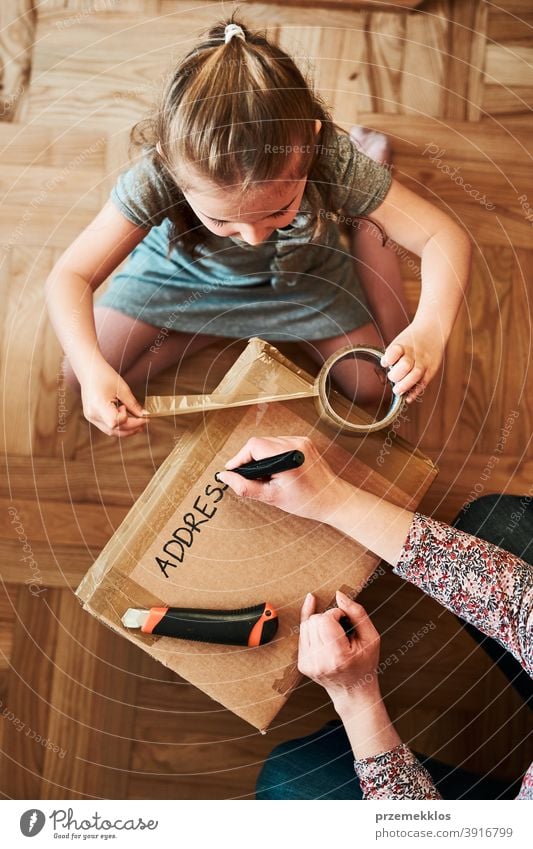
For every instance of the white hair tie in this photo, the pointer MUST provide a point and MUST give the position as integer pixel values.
(233, 30)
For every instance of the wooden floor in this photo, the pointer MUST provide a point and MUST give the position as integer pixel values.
(84, 713)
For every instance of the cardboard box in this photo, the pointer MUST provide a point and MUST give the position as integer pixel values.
(245, 552)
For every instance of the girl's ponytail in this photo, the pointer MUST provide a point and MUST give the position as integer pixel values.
(226, 111)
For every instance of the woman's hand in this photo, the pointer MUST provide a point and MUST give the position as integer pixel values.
(312, 491)
(109, 403)
(345, 665)
(414, 356)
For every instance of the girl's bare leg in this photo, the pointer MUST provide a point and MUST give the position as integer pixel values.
(137, 350)
(378, 270)
(357, 380)
(378, 266)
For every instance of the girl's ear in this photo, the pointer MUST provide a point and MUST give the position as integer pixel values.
(318, 126)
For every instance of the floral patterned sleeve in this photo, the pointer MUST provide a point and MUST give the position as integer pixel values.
(396, 774)
(485, 585)
(489, 588)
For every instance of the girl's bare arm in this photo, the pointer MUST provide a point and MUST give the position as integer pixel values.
(445, 249)
(80, 270)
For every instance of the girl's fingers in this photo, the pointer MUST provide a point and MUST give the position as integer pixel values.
(128, 398)
(392, 354)
(109, 415)
(131, 425)
(419, 389)
(409, 382)
(122, 416)
(117, 431)
(402, 368)
(116, 422)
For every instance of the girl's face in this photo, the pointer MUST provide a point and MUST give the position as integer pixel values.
(272, 205)
(254, 218)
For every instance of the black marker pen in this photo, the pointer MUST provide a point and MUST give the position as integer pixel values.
(270, 465)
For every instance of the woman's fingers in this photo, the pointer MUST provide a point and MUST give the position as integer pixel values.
(358, 616)
(308, 608)
(243, 487)
(257, 448)
(330, 632)
(118, 431)
(254, 449)
(304, 642)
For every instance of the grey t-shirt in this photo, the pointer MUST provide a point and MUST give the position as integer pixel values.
(287, 285)
(145, 192)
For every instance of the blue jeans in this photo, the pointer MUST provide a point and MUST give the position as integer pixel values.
(320, 766)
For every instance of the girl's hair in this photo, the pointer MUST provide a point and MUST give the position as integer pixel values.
(226, 111)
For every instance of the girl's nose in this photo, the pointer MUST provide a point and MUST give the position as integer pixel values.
(253, 235)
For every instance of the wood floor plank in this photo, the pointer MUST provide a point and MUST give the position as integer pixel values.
(213, 754)
(460, 139)
(17, 35)
(62, 566)
(62, 523)
(28, 694)
(466, 53)
(93, 705)
(25, 327)
(385, 51)
(425, 59)
(509, 64)
(7, 623)
(466, 477)
(49, 478)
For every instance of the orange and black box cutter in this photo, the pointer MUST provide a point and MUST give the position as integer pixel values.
(248, 626)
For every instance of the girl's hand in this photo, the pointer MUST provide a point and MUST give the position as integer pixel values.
(415, 355)
(344, 665)
(312, 491)
(107, 399)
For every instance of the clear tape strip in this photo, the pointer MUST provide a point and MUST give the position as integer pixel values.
(177, 405)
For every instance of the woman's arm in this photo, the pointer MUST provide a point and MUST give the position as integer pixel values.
(486, 586)
(346, 666)
(315, 492)
(483, 584)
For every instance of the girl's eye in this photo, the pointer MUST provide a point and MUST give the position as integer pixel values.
(218, 223)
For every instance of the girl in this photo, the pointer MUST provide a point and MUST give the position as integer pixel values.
(231, 219)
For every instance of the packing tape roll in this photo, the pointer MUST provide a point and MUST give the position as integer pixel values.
(176, 405)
